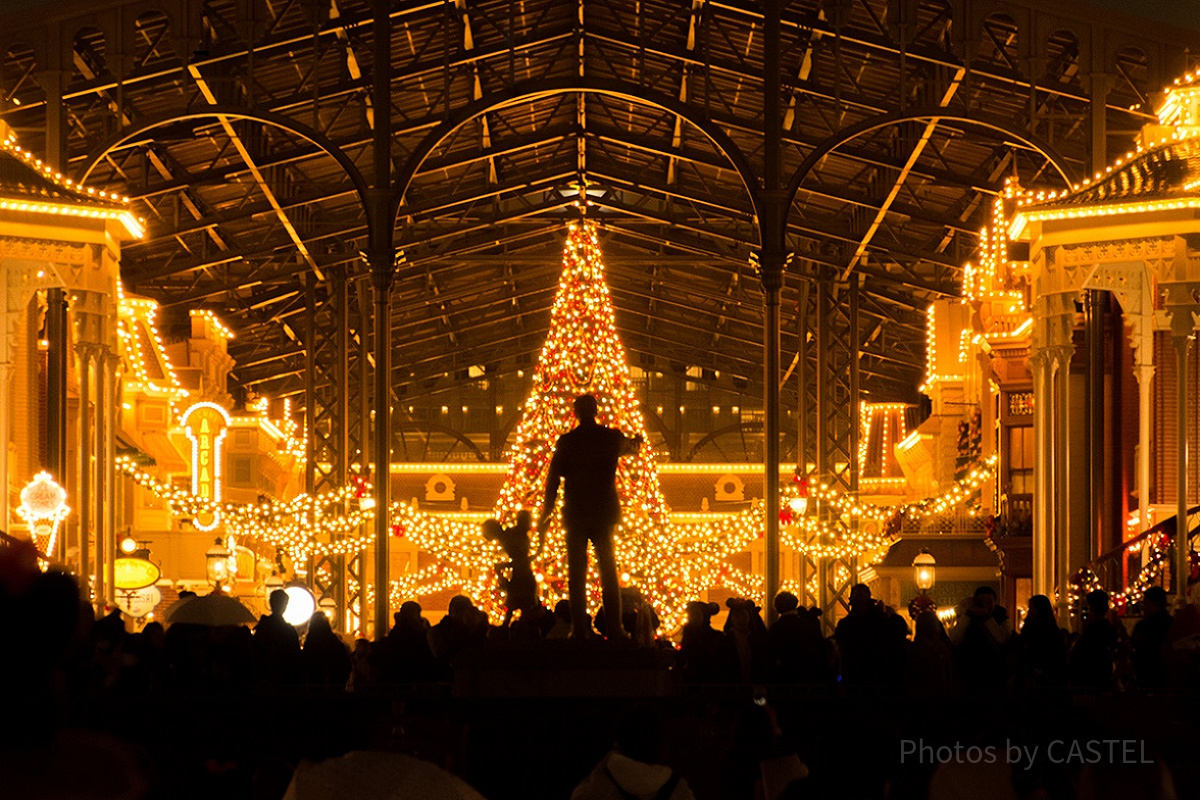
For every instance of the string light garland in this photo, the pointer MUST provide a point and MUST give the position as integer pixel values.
(670, 563)
(76, 200)
(1086, 580)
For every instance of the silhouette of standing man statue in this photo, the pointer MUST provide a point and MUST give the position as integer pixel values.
(585, 462)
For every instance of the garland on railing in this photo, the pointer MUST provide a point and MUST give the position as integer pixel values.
(1086, 581)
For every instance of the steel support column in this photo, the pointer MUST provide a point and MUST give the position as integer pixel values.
(326, 388)
(772, 221)
(382, 276)
(805, 433)
(837, 421)
(359, 430)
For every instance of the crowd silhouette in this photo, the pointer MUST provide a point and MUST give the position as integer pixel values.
(871, 645)
(74, 658)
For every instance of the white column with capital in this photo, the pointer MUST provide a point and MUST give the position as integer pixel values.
(1050, 361)
(19, 279)
(84, 484)
(111, 366)
(1183, 310)
(1145, 380)
(1043, 544)
(1060, 490)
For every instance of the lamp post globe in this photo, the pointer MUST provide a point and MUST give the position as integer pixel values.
(924, 575)
(924, 570)
(217, 563)
(328, 606)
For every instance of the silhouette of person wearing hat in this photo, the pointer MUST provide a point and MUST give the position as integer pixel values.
(585, 460)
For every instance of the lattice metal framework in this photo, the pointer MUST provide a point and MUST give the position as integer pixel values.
(239, 209)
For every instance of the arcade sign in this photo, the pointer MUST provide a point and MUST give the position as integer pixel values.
(206, 425)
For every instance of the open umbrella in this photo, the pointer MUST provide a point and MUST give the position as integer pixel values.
(373, 775)
(211, 609)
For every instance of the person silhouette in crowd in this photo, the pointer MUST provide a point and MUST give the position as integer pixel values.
(1181, 650)
(637, 617)
(1041, 648)
(585, 459)
(362, 670)
(519, 586)
(108, 656)
(276, 644)
(705, 655)
(325, 659)
(148, 652)
(405, 656)
(1149, 634)
(861, 637)
(930, 669)
(640, 620)
(784, 639)
(532, 624)
(632, 769)
(817, 657)
(981, 640)
(463, 628)
(561, 629)
(1091, 659)
(747, 633)
(761, 762)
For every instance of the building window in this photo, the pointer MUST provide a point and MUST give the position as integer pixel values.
(1020, 460)
(242, 470)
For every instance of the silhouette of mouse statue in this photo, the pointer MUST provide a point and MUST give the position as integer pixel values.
(519, 585)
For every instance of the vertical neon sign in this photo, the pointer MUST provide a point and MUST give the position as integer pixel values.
(206, 424)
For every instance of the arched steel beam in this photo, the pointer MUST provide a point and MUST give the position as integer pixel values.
(875, 123)
(433, 427)
(271, 118)
(742, 428)
(528, 90)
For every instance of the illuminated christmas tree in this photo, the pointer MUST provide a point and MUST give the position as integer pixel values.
(582, 355)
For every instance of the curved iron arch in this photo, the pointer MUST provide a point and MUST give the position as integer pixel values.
(286, 123)
(753, 428)
(526, 90)
(875, 123)
(433, 427)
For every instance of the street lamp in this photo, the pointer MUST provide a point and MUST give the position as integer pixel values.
(799, 503)
(924, 570)
(328, 607)
(924, 575)
(217, 562)
(300, 607)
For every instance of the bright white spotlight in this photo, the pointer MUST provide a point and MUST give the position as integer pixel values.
(301, 606)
